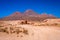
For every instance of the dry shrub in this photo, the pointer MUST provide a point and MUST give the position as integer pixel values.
(11, 28)
(4, 30)
(47, 24)
(25, 31)
(24, 22)
(17, 30)
(1, 26)
(21, 35)
(55, 24)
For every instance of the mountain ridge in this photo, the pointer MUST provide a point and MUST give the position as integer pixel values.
(28, 15)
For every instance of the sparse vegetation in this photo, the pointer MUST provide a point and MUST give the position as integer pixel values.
(26, 22)
(22, 22)
(11, 28)
(4, 30)
(25, 31)
(10, 24)
(1, 26)
(48, 24)
(17, 31)
(21, 35)
(55, 24)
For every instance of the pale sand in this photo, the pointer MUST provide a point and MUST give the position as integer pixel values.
(34, 33)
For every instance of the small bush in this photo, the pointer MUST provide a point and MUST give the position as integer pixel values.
(26, 22)
(21, 35)
(17, 31)
(11, 28)
(1, 26)
(22, 22)
(4, 30)
(25, 31)
(55, 24)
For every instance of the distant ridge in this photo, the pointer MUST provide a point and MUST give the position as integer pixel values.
(29, 15)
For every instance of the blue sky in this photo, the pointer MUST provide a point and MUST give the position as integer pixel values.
(8, 7)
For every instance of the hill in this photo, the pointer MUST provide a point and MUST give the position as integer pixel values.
(29, 15)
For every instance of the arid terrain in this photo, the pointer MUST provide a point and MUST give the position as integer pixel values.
(29, 26)
(23, 30)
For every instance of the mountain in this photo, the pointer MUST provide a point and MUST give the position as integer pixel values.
(30, 12)
(44, 15)
(29, 15)
(16, 14)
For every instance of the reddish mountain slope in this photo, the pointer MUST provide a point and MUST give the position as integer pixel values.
(28, 15)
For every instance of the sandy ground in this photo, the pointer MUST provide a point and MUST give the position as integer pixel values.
(34, 33)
